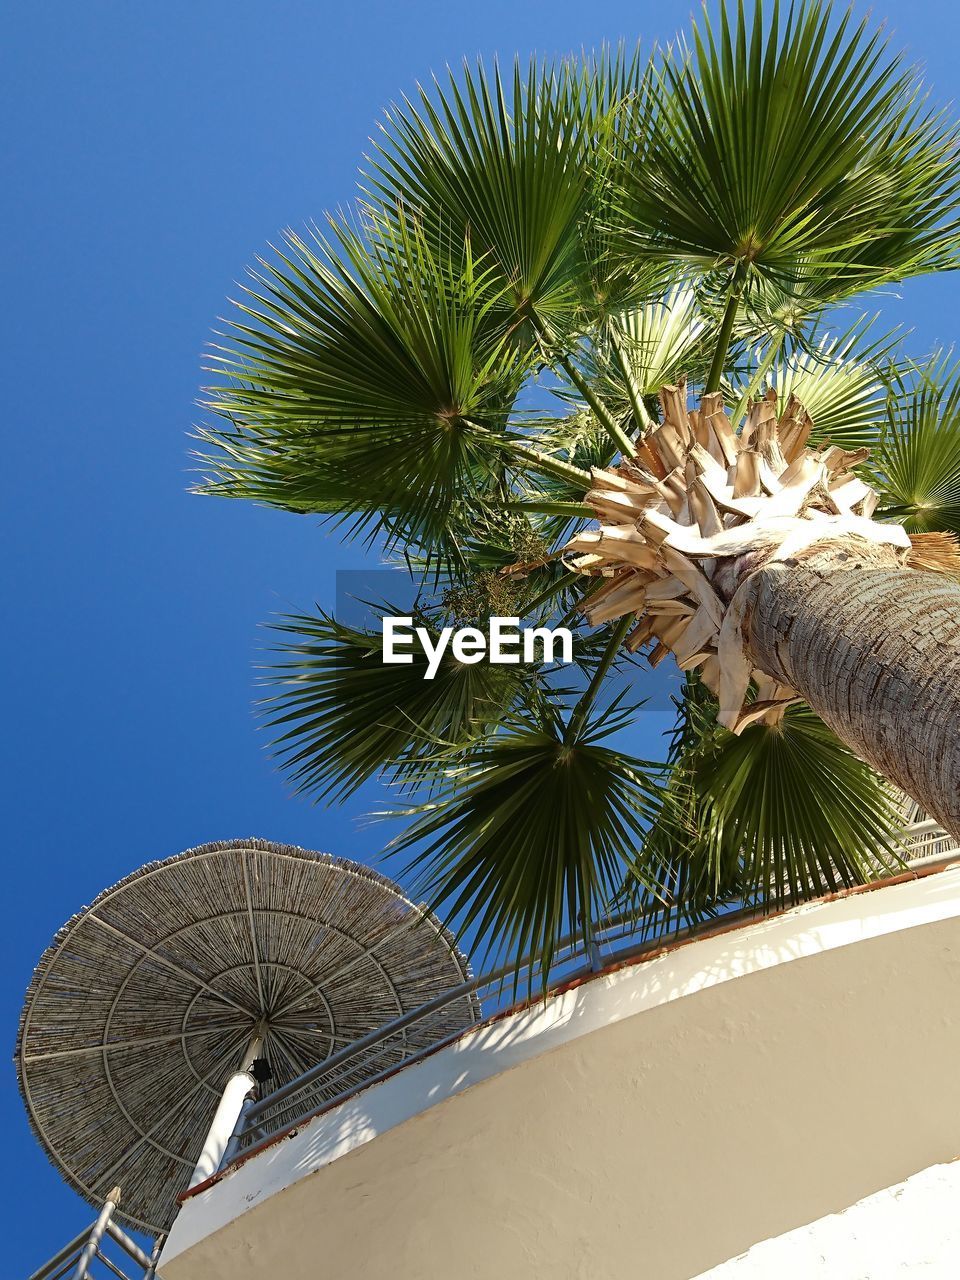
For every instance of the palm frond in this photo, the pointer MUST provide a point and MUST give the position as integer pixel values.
(339, 715)
(934, 552)
(641, 349)
(780, 814)
(367, 383)
(579, 439)
(782, 143)
(917, 466)
(839, 378)
(516, 162)
(531, 833)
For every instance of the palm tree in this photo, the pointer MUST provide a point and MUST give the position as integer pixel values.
(756, 560)
(485, 371)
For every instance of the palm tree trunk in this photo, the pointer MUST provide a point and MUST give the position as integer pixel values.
(875, 650)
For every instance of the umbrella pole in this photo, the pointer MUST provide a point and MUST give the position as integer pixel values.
(96, 1234)
(234, 1094)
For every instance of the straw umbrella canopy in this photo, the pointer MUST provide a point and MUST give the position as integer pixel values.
(146, 1001)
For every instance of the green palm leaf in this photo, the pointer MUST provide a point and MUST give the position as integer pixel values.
(340, 715)
(779, 814)
(555, 502)
(519, 165)
(530, 834)
(918, 463)
(840, 378)
(641, 348)
(779, 143)
(370, 385)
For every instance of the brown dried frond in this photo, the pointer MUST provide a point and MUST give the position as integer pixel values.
(935, 553)
(684, 522)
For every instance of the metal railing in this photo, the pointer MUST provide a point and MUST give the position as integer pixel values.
(88, 1255)
(925, 841)
(325, 1086)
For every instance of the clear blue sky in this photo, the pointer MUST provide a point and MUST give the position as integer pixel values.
(151, 150)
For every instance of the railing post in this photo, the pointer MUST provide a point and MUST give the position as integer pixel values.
(96, 1235)
(232, 1148)
(158, 1244)
(62, 1255)
(130, 1247)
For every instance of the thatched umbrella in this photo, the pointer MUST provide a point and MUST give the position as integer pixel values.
(146, 1001)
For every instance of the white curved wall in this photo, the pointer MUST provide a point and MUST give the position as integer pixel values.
(660, 1120)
